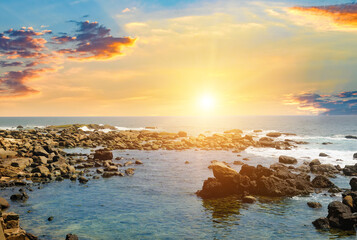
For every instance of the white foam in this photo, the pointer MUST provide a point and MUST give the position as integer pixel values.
(305, 153)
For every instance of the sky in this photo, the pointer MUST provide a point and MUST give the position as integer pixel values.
(177, 57)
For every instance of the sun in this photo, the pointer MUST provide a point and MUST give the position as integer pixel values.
(206, 102)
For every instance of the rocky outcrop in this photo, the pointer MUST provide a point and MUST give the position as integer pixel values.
(10, 228)
(258, 180)
(322, 182)
(341, 215)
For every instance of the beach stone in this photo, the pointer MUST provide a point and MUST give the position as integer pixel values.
(314, 204)
(71, 236)
(138, 162)
(249, 199)
(321, 223)
(287, 160)
(323, 155)
(322, 182)
(4, 203)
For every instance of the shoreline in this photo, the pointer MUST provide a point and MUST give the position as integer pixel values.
(50, 163)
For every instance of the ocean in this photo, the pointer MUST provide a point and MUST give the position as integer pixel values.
(158, 202)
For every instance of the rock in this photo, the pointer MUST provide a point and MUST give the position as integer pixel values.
(321, 223)
(100, 171)
(348, 200)
(130, 171)
(323, 155)
(138, 162)
(187, 162)
(287, 160)
(3, 203)
(315, 162)
(103, 154)
(82, 180)
(111, 169)
(273, 134)
(19, 197)
(182, 134)
(340, 216)
(350, 137)
(324, 169)
(71, 236)
(238, 163)
(249, 199)
(314, 204)
(353, 184)
(322, 182)
(222, 172)
(42, 170)
(50, 218)
(350, 170)
(355, 156)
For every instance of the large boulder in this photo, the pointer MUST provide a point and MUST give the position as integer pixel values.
(103, 154)
(324, 169)
(287, 160)
(340, 216)
(353, 184)
(322, 182)
(321, 223)
(355, 156)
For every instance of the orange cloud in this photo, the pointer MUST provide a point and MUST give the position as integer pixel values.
(342, 15)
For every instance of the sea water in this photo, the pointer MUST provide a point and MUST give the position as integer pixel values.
(158, 202)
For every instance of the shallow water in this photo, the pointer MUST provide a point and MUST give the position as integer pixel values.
(158, 202)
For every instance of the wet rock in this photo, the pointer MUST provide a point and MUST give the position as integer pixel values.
(130, 171)
(322, 182)
(350, 137)
(314, 204)
(50, 218)
(287, 160)
(350, 170)
(321, 223)
(100, 171)
(249, 199)
(82, 180)
(3, 204)
(323, 155)
(44, 171)
(71, 236)
(355, 156)
(340, 216)
(19, 197)
(138, 162)
(324, 169)
(103, 154)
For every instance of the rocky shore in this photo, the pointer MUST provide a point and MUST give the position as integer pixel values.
(36, 156)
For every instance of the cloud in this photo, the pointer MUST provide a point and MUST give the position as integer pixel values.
(342, 15)
(344, 103)
(10, 64)
(93, 41)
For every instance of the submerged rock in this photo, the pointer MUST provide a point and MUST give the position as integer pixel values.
(314, 204)
(249, 199)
